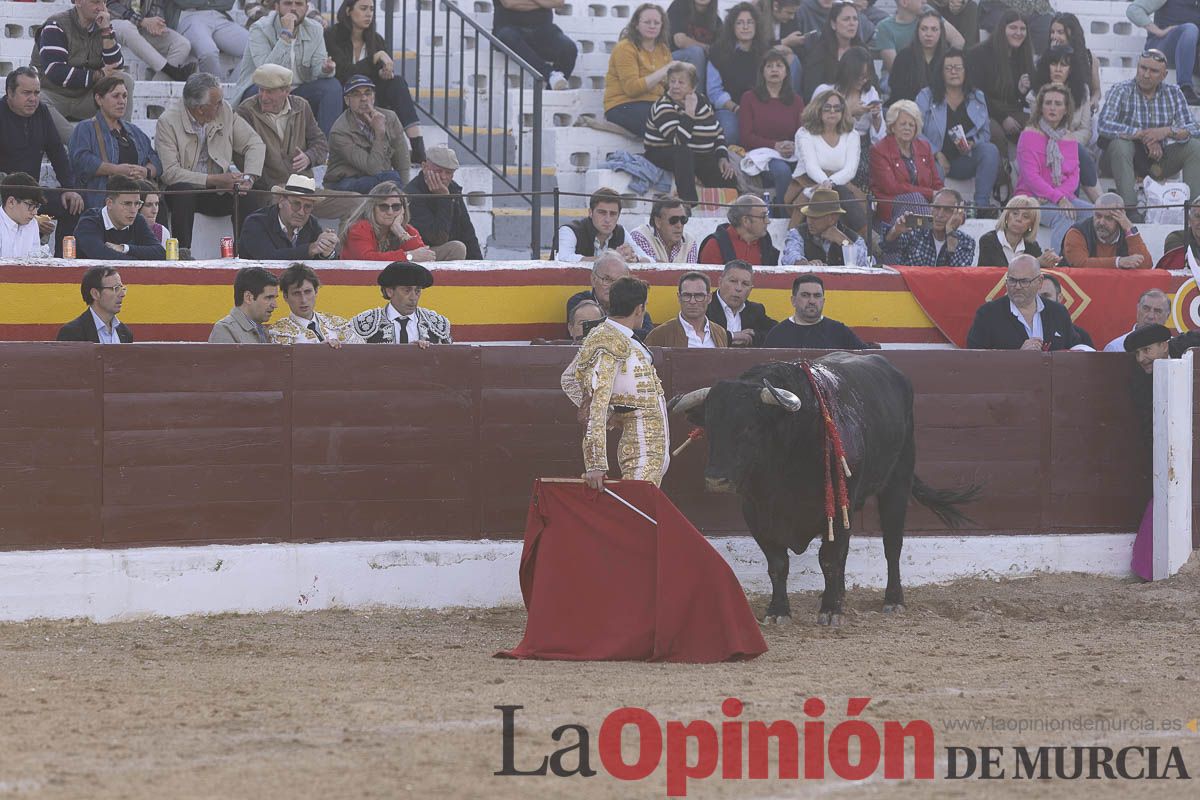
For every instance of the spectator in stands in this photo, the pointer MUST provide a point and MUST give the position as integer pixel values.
(1037, 15)
(107, 145)
(1049, 161)
(1052, 290)
(1182, 248)
(1173, 27)
(636, 69)
(255, 295)
(952, 102)
(683, 136)
(585, 239)
(257, 9)
(1066, 31)
(934, 241)
(822, 240)
(1107, 239)
(357, 49)
(608, 267)
(838, 33)
(963, 15)
(769, 116)
(299, 286)
(367, 143)
(141, 28)
(814, 15)
(1153, 308)
(664, 239)
(527, 26)
(380, 229)
(915, 65)
(27, 134)
(1022, 319)
(287, 231)
(1055, 66)
(745, 321)
(1015, 235)
(207, 24)
(1151, 130)
(782, 29)
(694, 25)
(438, 209)
(403, 320)
(584, 312)
(897, 31)
(292, 40)
(855, 81)
(203, 144)
(828, 150)
(21, 196)
(733, 63)
(1003, 68)
(809, 328)
(150, 208)
(103, 294)
(74, 49)
(904, 175)
(118, 228)
(691, 328)
(744, 236)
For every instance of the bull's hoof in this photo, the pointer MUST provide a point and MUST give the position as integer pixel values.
(777, 619)
(830, 619)
(894, 608)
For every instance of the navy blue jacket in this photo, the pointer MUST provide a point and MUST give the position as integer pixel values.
(995, 327)
(90, 237)
(263, 238)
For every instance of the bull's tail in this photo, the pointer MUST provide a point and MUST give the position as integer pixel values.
(944, 502)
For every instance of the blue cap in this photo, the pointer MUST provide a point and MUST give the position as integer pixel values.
(357, 81)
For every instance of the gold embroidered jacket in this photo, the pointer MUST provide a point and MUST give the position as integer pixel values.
(287, 331)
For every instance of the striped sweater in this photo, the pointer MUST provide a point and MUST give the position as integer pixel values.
(669, 125)
(70, 55)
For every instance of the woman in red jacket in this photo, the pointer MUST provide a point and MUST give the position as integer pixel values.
(379, 230)
(904, 176)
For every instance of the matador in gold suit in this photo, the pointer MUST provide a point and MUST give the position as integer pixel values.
(616, 372)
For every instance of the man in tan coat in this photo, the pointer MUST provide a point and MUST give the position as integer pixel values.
(367, 144)
(204, 144)
(691, 328)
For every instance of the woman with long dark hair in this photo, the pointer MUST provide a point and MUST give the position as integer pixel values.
(913, 68)
(356, 48)
(1066, 31)
(733, 64)
(842, 30)
(1058, 66)
(1003, 68)
(855, 80)
(769, 116)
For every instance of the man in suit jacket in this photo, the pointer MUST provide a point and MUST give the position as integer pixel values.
(1022, 320)
(104, 294)
(255, 294)
(287, 231)
(746, 323)
(118, 229)
(691, 328)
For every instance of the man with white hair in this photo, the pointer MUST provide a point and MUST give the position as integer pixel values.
(744, 237)
(1153, 308)
(1106, 239)
(608, 267)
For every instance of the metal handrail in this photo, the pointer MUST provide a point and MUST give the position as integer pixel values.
(513, 65)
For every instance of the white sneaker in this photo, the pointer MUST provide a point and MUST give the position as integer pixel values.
(558, 81)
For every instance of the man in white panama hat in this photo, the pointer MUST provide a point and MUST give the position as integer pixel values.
(287, 231)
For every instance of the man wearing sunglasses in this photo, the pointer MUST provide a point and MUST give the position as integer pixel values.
(1022, 319)
(19, 236)
(118, 230)
(1151, 130)
(664, 238)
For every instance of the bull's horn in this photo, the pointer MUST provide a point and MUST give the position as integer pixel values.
(686, 402)
(779, 397)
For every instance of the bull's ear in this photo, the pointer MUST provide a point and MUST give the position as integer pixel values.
(779, 397)
(683, 403)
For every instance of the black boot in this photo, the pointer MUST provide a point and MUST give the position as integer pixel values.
(178, 73)
(417, 145)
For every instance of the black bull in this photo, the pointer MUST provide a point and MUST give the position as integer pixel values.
(765, 438)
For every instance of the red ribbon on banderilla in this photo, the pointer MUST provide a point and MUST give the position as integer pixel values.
(696, 433)
(834, 453)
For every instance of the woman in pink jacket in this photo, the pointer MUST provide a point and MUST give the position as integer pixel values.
(1048, 159)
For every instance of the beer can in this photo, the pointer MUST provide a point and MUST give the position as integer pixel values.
(172, 247)
(226, 247)
(68, 247)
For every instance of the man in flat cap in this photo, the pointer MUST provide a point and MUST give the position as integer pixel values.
(368, 143)
(402, 320)
(437, 208)
(287, 231)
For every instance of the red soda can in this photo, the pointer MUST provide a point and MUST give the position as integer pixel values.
(68, 247)
(226, 247)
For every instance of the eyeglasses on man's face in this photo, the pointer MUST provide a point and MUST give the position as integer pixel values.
(119, 288)
(32, 205)
(133, 204)
(693, 297)
(1021, 283)
(682, 219)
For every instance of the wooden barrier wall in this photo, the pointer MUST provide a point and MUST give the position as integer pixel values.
(184, 443)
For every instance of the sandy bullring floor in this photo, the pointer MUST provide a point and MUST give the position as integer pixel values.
(394, 704)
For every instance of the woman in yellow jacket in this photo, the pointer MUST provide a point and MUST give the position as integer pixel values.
(637, 68)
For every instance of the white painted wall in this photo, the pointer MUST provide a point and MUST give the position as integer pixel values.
(1172, 464)
(108, 585)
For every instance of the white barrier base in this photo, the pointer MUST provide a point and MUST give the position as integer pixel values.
(107, 585)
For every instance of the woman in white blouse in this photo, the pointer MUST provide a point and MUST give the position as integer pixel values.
(827, 151)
